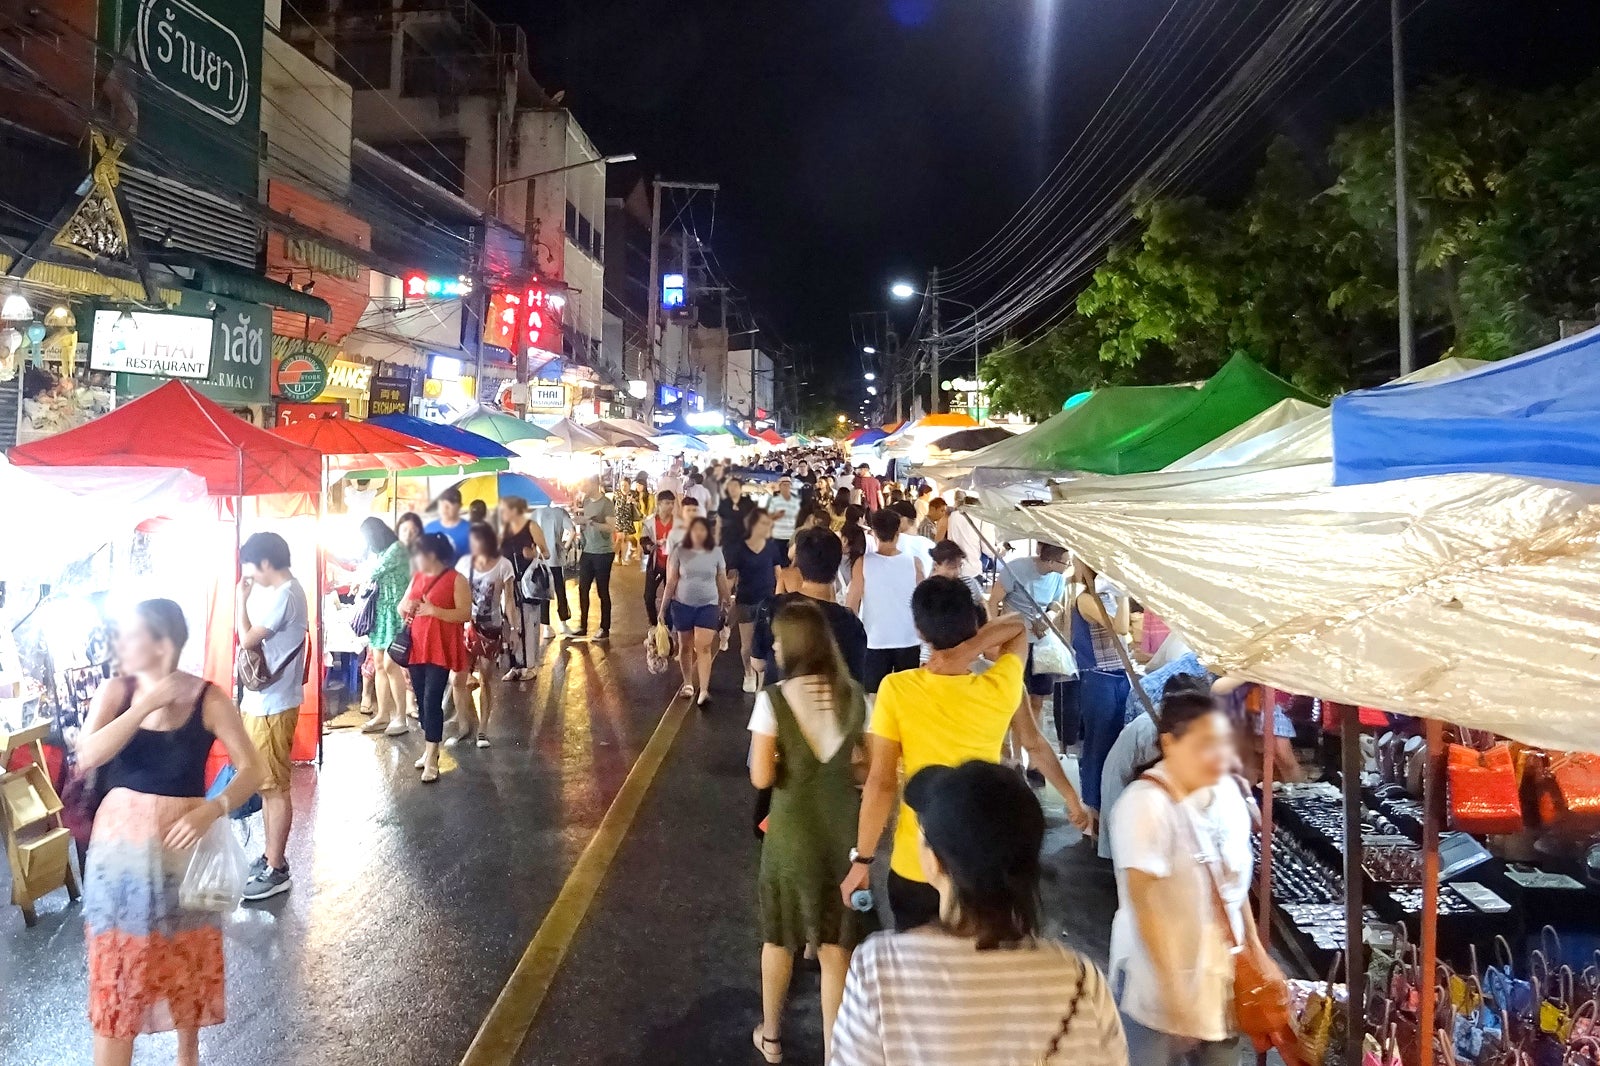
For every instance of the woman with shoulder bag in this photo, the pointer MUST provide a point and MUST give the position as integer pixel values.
(391, 574)
(153, 965)
(1184, 946)
(436, 608)
(982, 985)
(494, 610)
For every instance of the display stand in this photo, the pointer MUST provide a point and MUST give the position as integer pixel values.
(37, 844)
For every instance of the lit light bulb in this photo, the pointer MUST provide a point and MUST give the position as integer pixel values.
(16, 308)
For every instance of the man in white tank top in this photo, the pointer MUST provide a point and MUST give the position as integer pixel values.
(881, 584)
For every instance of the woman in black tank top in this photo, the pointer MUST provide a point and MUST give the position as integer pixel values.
(154, 966)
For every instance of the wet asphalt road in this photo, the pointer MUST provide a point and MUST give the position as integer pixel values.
(413, 903)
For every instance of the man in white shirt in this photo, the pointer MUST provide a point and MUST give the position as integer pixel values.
(918, 547)
(271, 614)
(672, 480)
(696, 490)
(959, 527)
(784, 507)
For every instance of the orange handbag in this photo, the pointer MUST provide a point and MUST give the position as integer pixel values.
(1483, 793)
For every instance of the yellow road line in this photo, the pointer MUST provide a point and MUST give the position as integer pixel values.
(507, 1024)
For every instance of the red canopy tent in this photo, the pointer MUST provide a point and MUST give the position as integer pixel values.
(175, 426)
(853, 434)
(770, 437)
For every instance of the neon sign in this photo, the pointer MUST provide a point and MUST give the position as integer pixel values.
(528, 318)
(424, 286)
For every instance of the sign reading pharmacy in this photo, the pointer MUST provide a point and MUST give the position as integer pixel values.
(240, 343)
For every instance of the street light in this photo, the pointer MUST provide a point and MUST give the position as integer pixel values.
(904, 290)
(626, 157)
(869, 376)
(872, 390)
(869, 350)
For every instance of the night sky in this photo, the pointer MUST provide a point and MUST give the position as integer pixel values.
(861, 140)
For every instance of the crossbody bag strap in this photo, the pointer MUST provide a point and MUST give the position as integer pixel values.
(1219, 902)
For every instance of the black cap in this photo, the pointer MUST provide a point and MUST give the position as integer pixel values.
(977, 817)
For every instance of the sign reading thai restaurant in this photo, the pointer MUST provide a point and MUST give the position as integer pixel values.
(169, 346)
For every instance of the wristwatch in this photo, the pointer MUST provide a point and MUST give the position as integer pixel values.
(860, 859)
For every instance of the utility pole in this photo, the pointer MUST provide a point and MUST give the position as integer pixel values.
(652, 340)
(653, 306)
(1402, 197)
(933, 347)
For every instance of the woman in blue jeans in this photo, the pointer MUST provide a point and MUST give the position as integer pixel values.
(1103, 686)
(697, 595)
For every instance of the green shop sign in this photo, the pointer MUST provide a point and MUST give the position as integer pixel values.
(241, 361)
(199, 94)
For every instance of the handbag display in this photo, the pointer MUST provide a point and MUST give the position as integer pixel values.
(1575, 784)
(1316, 1023)
(1483, 797)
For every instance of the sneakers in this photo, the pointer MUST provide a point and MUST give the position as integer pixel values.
(726, 634)
(566, 628)
(266, 882)
(514, 674)
(604, 634)
(483, 740)
(750, 682)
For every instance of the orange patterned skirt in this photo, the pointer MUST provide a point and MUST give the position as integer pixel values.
(153, 966)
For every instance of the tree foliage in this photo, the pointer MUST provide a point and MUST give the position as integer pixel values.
(1298, 272)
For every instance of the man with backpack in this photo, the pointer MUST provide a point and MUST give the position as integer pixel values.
(272, 620)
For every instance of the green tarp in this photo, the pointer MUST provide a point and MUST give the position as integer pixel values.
(1135, 429)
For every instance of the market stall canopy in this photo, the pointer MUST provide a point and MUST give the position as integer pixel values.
(740, 435)
(970, 440)
(82, 508)
(176, 427)
(1537, 415)
(350, 445)
(1281, 414)
(618, 435)
(453, 437)
(869, 437)
(680, 442)
(1465, 597)
(567, 436)
(850, 438)
(498, 426)
(1131, 429)
(631, 426)
(1310, 437)
(770, 436)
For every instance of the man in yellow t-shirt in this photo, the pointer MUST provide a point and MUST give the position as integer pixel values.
(943, 715)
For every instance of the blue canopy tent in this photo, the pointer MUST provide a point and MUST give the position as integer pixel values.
(1536, 416)
(461, 440)
(670, 441)
(871, 436)
(738, 434)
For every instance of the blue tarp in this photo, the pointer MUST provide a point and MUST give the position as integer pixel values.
(1537, 415)
(444, 436)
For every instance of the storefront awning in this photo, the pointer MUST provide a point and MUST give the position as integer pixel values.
(223, 280)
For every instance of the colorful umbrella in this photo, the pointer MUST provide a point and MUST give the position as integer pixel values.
(461, 440)
(348, 445)
(491, 488)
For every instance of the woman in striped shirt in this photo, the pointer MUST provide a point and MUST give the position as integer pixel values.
(980, 986)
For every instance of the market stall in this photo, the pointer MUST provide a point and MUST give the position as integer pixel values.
(1462, 598)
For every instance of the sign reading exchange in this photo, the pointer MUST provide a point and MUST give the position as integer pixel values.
(196, 56)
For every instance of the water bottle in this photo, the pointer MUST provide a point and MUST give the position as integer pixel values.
(861, 900)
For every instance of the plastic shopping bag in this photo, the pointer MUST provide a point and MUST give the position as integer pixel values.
(217, 872)
(536, 585)
(1051, 656)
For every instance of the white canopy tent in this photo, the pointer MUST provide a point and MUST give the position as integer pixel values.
(65, 513)
(1467, 597)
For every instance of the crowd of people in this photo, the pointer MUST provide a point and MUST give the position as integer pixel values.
(900, 675)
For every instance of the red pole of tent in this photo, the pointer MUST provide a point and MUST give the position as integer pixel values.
(1432, 809)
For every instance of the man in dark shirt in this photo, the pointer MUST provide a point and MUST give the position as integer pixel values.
(732, 513)
(817, 553)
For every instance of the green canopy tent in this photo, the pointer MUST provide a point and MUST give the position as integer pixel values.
(1130, 429)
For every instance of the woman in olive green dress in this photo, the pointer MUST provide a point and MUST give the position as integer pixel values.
(805, 732)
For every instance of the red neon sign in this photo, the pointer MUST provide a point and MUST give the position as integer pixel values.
(527, 318)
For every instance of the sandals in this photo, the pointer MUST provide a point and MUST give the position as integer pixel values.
(687, 692)
(771, 1050)
(704, 699)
